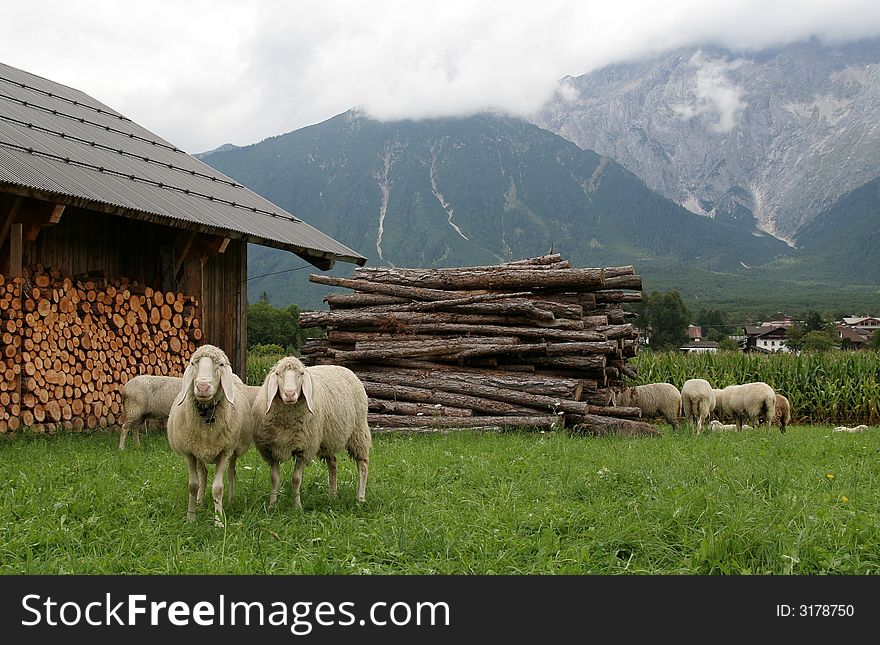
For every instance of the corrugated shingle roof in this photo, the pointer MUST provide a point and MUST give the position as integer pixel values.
(58, 141)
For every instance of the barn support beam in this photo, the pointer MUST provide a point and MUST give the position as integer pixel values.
(16, 246)
(8, 218)
(37, 215)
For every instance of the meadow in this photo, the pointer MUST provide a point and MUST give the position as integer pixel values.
(757, 502)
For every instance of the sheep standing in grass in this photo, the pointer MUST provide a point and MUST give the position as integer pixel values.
(311, 412)
(783, 412)
(146, 397)
(210, 422)
(653, 399)
(719, 405)
(697, 402)
(755, 402)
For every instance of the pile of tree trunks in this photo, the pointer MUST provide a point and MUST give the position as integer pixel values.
(533, 343)
(69, 344)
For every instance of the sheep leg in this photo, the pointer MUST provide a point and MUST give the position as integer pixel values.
(230, 475)
(362, 480)
(217, 488)
(296, 480)
(203, 479)
(122, 434)
(331, 474)
(193, 487)
(275, 475)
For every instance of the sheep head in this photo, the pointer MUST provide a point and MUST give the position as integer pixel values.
(287, 380)
(208, 372)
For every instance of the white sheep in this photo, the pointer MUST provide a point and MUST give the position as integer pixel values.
(716, 426)
(697, 402)
(653, 399)
(753, 401)
(307, 413)
(719, 404)
(783, 412)
(860, 428)
(146, 397)
(210, 422)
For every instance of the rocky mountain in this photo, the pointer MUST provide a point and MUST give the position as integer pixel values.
(764, 139)
(470, 191)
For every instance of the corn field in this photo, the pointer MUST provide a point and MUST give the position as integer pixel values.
(823, 387)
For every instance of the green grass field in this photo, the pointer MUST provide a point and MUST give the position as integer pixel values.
(757, 502)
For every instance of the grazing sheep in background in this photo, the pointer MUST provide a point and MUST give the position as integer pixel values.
(146, 397)
(719, 404)
(753, 401)
(717, 426)
(210, 422)
(783, 412)
(653, 399)
(861, 428)
(697, 402)
(307, 413)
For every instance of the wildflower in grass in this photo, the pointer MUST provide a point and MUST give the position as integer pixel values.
(603, 471)
(830, 476)
(844, 499)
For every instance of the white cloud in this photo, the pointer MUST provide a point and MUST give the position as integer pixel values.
(204, 72)
(716, 96)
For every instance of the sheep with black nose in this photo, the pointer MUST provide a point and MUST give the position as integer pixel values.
(308, 412)
(210, 422)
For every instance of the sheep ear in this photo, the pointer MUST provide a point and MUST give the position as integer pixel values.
(307, 391)
(189, 375)
(272, 383)
(227, 383)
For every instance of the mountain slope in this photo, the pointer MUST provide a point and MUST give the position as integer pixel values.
(477, 190)
(842, 242)
(771, 138)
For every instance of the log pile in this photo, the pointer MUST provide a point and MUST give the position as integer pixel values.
(69, 344)
(533, 343)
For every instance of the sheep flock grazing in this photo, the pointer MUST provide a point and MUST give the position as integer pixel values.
(697, 402)
(783, 412)
(755, 402)
(308, 412)
(210, 422)
(146, 397)
(653, 399)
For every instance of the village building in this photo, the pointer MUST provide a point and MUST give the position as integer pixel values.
(767, 338)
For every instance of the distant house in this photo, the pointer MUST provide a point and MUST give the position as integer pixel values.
(853, 337)
(700, 346)
(866, 323)
(767, 338)
(695, 332)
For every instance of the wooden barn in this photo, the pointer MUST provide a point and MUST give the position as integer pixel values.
(116, 248)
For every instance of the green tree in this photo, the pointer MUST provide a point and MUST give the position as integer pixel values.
(819, 341)
(268, 325)
(814, 334)
(714, 324)
(874, 343)
(727, 344)
(665, 318)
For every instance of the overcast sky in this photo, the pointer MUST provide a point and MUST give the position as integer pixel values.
(201, 73)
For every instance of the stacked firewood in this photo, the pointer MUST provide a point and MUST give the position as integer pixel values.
(69, 344)
(533, 343)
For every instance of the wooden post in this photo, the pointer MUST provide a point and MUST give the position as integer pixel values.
(16, 239)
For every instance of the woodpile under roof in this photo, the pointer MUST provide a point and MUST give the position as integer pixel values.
(533, 343)
(69, 344)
